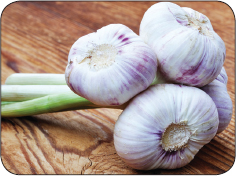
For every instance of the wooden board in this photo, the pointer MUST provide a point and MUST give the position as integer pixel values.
(36, 38)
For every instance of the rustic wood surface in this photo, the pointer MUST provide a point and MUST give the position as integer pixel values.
(36, 38)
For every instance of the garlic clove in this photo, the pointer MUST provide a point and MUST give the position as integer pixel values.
(110, 66)
(187, 48)
(165, 126)
(217, 90)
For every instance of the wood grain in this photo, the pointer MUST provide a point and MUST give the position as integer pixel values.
(36, 38)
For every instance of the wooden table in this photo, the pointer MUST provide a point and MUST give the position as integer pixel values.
(36, 38)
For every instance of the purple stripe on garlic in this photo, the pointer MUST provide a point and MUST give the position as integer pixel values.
(165, 126)
(110, 66)
(217, 90)
(187, 48)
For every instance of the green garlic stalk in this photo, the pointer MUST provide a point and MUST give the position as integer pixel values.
(36, 79)
(51, 103)
(28, 92)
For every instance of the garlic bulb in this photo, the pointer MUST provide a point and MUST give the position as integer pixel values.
(110, 66)
(187, 48)
(222, 77)
(217, 90)
(165, 126)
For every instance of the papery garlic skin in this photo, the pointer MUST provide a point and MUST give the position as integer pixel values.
(217, 90)
(165, 126)
(187, 48)
(110, 66)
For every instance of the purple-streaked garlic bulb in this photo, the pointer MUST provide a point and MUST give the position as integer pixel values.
(165, 126)
(217, 90)
(188, 50)
(222, 77)
(110, 66)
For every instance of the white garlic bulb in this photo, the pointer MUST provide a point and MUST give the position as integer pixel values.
(165, 126)
(110, 66)
(217, 90)
(188, 50)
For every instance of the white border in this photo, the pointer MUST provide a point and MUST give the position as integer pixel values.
(5, 3)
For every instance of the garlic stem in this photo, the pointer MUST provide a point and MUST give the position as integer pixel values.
(51, 103)
(51, 79)
(46, 104)
(36, 79)
(27, 92)
(25, 100)
(7, 102)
